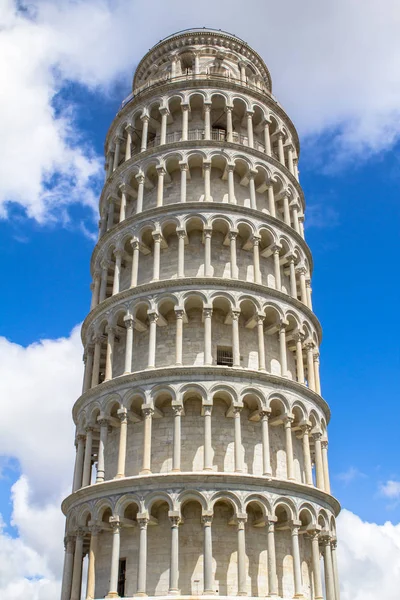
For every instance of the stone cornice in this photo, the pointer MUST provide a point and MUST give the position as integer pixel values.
(200, 207)
(198, 283)
(202, 480)
(190, 145)
(162, 87)
(194, 373)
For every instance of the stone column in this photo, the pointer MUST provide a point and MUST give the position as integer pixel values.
(174, 559)
(303, 292)
(122, 210)
(116, 152)
(267, 139)
(314, 536)
(316, 372)
(319, 468)
(252, 189)
(292, 275)
(249, 115)
(207, 181)
(298, 338)
(115, 549)
(207, 252)
(298, 584)
(295, 212)
(271, 200)
(324, 449)
(207, 316)
(110, 353)
(301, 223)
(235, 337)
(185, 122)
(290, 160)
(229, 126)
(96, 290)
(78, 471)
(129, 323)
(181, 233)
(261, 345)
(117, 272)
(110, 216)
(128, 148)
(264, 415)
(123, 434)
(232, 245)
(335, 568)
(153, 317)
(145, 120)
(307, 454)
(96, 360)
(184, 171)
(277, 267)
(241, 564)
(156, 255)
(163, 132)
(208, 579)
(160, 186)
(77, 568)
(139, 201)
(104, 274)
(308, 288)
(286, 211)
(87, 463)
(68, 568)
(328, 568)
(295, 168)
(102, 444)
(256, 258)
(135, 262)
(282, 349)
(231, 184)
(287, 423)
(148, 419)
(272, 575)
(281, 152)
(91, 578)
(310, 365)
(176, 457)
(207, 121)
(207, 409)
(109, 166)
(142, 562)
(88, 358)
(179, 313)
(238, 439)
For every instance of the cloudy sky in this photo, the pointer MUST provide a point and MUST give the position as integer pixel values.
(65, 66)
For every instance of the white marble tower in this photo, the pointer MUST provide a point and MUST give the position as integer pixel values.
(201, 432)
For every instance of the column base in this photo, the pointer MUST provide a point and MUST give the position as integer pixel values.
(145, 472)
(268, 475)
(174, 592)
(119, 476)
(209, 593)
(140, 594)
(242, 593)
(175, 470)
(112, 595)
(208, 469)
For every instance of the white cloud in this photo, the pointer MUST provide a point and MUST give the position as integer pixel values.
(391, 489)
(334, 67)
(351, 474)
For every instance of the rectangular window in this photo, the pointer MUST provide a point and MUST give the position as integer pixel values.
(224, 356)
(121, 577)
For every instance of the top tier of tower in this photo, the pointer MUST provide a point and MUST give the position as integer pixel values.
(196, 52)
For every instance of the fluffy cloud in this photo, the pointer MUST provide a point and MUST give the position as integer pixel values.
(333, 66)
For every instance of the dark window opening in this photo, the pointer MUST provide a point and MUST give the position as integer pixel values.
(121, 577)
(224, 356)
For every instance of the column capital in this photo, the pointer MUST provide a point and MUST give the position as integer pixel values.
(145, 118)
(175, 518)
(324, 444)
(249, 113)
(118, 252)
(207, 106)
(207, 312)
(316, 356)
(181, 233)
(295, 526)
(129, 321)
(276, 248)
(152, 316)
(207, 519)
(161, 170)
(241, 521)
(207, 232)
(298, 336)
(80, 437)
(115, 522)
(147, 411)
(177, 410)
(306, 427)
(179, 312)
(256, 239)
(89, 429)
(301, 270)
(206, 164)
(233, 233)
(309, 345)
(140, 177)
(134, 242)
(185, 106)
(122, 415)
(260, 317)
(290, 258)
(235, 314)
(183, 166)
(288, 420)
(94, 528)
(105, 264)
(142, 520)
(325, 538)
(317, 435)
(265, 414)
(228, 108)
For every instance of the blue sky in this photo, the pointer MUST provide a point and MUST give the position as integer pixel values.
(61, 96)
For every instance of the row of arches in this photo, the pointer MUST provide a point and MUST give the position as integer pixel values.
(196, 246)
(201, 176)
(197, 545)
(219, 435)
(201, 329)
(199, 115)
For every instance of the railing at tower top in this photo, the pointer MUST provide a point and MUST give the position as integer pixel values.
(217, 135)
(190, 76)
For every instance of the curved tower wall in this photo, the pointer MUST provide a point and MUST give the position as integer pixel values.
(201, 432)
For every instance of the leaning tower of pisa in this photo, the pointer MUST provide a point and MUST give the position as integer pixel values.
(201, 432)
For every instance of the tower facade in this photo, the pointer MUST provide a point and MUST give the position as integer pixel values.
(201, 433)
